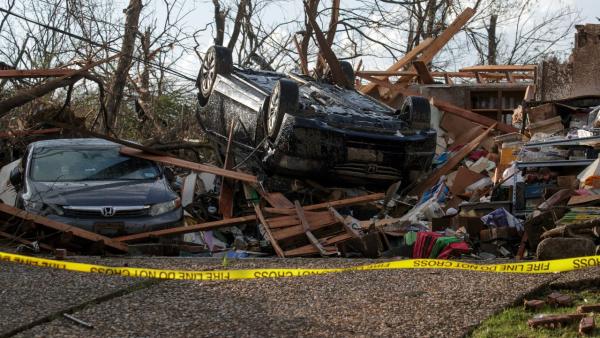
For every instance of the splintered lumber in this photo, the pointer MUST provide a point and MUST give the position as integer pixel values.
(26, 242)
(315, 219)
(306, 228)
(450, 164)
(10, 212)
(423, 72)
(35, 73)
(383, 74)
(399, 64)
(440, 41)
(500, 68)
(277, 200)
(189, 165)
(347, 225)
(311, 250)
(265, 224)
(448, 107)
(317, 222)
(193, 228)
(187, 229)
(338, 203)
(474, 117)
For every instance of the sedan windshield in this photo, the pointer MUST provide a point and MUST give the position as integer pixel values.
(99, 164)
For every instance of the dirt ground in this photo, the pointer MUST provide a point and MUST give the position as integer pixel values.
(405, 303)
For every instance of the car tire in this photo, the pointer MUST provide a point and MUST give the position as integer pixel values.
(284, 99)
(217, 61)
(416, 110)
(348, 71)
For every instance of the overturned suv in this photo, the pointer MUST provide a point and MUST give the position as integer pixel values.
(309, 127)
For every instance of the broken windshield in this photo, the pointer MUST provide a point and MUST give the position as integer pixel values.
(99, 164)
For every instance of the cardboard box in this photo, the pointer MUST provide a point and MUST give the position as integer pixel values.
(498, 233)
(508, 155)
(567, 182)
(540, 113)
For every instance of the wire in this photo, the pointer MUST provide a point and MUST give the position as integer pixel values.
(81, 38)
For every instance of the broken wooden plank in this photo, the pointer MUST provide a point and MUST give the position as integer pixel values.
(347, 225)
(298, 230)
(449, 165)
(277, 200)
(449, 108)
(26, 242)
(189, 165)
(413, 53)
(306, 228)
(474, 117)
(338, 203)
(423, 72)
(383, 74)
(62, 227)
(265, 224)
(313, 217)
(35, 73)
(311, 250)
(187, 229)
(440, 41)
(499, 68)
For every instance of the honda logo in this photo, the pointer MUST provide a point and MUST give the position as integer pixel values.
(108, 211)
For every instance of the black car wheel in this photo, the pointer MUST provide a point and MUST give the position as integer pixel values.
(348, 72)
(218, 60)
(417, 112)
(284, 99)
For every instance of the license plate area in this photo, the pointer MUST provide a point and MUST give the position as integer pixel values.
(109, 228)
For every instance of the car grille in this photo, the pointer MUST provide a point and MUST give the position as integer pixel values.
(367, 170)
(80, 213)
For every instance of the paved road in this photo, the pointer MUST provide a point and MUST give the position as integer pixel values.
(424, 303)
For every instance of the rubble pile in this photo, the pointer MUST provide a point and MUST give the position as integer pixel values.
(503, 173)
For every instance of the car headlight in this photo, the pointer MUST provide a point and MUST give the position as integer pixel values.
(42, 209)
(161, 208)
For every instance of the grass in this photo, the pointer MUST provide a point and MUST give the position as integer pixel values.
(512, 322)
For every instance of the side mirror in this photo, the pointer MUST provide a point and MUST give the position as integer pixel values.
(169, 174)
(16, 177)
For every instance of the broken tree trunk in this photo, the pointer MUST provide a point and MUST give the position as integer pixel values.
(22, 97)
(335, 13)
(328, 54)
(115, 94)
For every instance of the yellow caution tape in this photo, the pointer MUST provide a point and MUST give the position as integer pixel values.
(554, 266)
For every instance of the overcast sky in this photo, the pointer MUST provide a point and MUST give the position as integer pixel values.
(201, 13)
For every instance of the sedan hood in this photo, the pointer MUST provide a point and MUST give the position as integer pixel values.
(102, 193)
